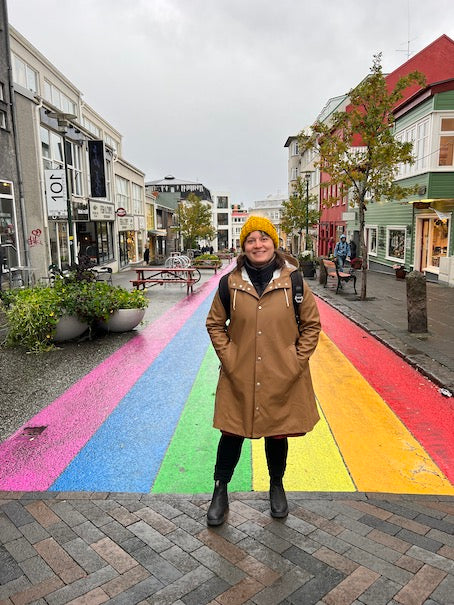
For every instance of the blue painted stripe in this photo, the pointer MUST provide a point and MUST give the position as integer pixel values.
(125, 454)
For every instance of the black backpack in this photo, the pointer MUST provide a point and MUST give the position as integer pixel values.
(297, 294)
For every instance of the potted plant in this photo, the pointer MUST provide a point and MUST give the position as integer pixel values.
(400, 270)
(306, 263)
(126, 310)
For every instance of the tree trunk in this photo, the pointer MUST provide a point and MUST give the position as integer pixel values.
(362, 246)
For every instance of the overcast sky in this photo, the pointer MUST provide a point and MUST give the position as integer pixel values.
(209, 90)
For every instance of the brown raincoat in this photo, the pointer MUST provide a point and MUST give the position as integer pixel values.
(265, 386)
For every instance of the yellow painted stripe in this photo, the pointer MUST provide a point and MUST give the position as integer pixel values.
(314, 463)
(380, 453)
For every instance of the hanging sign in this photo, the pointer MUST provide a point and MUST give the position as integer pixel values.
(56, 196)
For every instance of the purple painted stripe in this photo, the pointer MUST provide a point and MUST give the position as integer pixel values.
(71, 420)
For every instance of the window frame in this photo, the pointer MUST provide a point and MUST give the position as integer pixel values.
(402, 228)
(370, 250)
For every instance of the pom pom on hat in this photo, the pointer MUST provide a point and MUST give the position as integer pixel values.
(259, 223)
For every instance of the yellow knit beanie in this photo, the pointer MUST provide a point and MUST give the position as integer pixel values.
(259, 223)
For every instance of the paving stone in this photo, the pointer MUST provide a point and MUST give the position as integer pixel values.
(138, 592)
(289, 585)
(299, 524)
(384, 526)
(444, 591)
(446, 551)
(150, 536)
(33, 532)
(9, 568)
(114, 555)
(409, 564)
(159, 567)
(378, 565)
(387, 540)
(85, 556)
(310, 564)
(8, 531)
(229, 551)
(184, 540)
(431, 559)
(88, 532)
(352, 587)
(36, 569)
(332, 542)
(206, 592)
(356, 525)
(388, 554)
(409, 524)
(42, 513)
(38, 590)
(371, 510)
(13, 586)
(116, 531)
(67, 513)
(17, 513)
(182, 586)
(266, 556)
(394, 507)
(179, 559)
(62, 533)
(190, 525)
(131, 545)
(82, 586)
(262, 573)
(238, 594)
(420, 586)
(418, 540)
(264, 536)
(380, 592)
(232, 534)
(163, 508)
(159, 522)
(220, 566)
(125, 581)
(334, 560)
(94, 597)
(317, 521)
(20, 549)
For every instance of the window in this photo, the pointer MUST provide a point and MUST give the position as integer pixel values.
(223, 218)
(52, 149)
(58, 98)
(2, 119)
(372, 240)
(295, 148)
(24, 75)
(2, 91)
(137, 199)
(108, 179)
(111, 142)
(223, 201)
(91, 127)
(395, 243)
(294, 174)
(73, 161)
(446, 153)
(122, 199)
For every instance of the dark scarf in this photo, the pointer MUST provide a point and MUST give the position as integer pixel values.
(260, 276)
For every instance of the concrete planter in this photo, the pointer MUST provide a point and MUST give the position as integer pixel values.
(123, 320)
(69, 327)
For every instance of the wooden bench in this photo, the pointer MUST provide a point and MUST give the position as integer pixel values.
(332, 271)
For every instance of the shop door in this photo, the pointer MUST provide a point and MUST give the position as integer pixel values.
(123, 244)
(434, 242)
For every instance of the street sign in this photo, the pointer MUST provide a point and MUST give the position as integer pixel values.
(121, 212)
(56, 196)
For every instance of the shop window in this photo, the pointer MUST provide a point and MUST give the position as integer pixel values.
(372, 240)
(395, 243)
(446, 153)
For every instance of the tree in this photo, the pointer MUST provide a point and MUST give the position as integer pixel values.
(195, 221)
(358, 148)
(294, 216)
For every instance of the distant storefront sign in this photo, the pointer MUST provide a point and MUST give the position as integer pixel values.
(56, 197)
(101, 211)
(125, 223)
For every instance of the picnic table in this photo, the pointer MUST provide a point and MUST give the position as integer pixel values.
(152, 276)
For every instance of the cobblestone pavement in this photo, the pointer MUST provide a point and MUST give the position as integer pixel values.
(119, 548)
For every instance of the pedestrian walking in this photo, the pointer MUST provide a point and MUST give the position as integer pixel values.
(353, 249)
(146, 255)
(341, 251)
(264, 387)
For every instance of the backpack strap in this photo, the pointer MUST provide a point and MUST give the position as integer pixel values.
(297, 294)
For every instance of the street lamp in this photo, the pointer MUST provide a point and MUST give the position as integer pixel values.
(307, 178)
(63, 123)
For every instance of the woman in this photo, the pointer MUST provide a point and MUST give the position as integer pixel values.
(265, 387)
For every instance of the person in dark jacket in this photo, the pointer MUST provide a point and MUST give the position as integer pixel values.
(341, 251)
(146, 255)
(264, 387)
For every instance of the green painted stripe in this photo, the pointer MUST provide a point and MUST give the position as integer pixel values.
(188, 464)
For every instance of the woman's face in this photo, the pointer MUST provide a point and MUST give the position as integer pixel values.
(259, 248)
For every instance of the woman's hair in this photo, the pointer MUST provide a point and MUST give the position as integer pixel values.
(278, 257)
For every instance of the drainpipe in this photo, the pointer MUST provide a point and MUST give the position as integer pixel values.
(20, 183)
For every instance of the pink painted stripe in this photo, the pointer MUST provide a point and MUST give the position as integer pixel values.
(72, 419)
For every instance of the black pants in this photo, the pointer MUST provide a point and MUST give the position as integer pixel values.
(229, 450)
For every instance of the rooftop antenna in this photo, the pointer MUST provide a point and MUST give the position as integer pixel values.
(408, 51)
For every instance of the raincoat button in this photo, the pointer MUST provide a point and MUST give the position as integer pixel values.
(259, 358)
(260, 306)
(258, 384)
(259, 332)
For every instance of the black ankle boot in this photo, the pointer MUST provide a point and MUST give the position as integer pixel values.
(219, 504)
(278, 500)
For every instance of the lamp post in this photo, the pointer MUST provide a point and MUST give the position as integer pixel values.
(63, 122)
(307, 178)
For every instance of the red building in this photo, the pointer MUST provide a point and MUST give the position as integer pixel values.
(436, 62)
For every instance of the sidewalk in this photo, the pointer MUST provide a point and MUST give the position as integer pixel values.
(384, 314)
(333, 549)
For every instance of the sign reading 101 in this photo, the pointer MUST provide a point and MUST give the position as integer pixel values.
(56, 195)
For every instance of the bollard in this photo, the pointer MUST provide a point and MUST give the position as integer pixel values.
(416, 302)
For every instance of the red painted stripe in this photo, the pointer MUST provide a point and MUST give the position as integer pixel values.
(425, 412)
